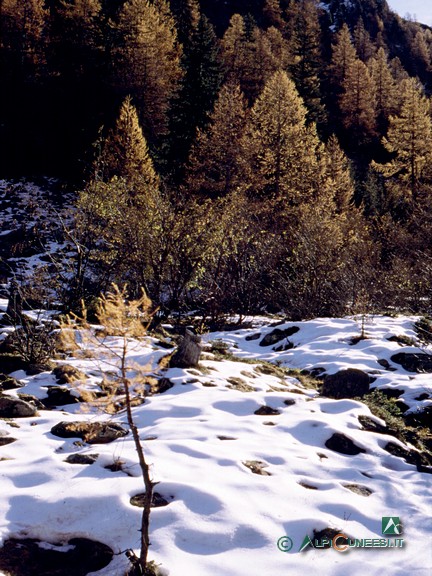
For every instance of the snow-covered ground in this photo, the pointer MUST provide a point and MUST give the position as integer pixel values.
(201, 437)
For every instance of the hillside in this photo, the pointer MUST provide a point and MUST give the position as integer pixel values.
(232, 478)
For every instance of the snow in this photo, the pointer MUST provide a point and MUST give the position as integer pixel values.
(222, 518)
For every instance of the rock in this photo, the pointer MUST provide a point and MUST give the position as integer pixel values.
(289, 402)
(421, 460)
(16, 408)
(343, 445)
(385, 364)
(188, 351)
(9, 383)
(5, 439)
(33, 369)
(346, 384)
(32, 400)
(360, 490)
(266, 411)
(277, 335)
(157, 500)
(372, 426)
(413, 362)
(59, 396)
(420, 418)
(90, 432)
(252, 337)
(66, 374)
(161, 386)
(82, 458)
(11, 363)
(391, 392)
(257, 467)
(30, 557)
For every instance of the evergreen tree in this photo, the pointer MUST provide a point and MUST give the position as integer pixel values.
(186, 14)
(307, 59)
(197, 94)
(75, 39)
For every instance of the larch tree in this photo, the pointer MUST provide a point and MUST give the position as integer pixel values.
(280, 151)
(409, 139)
(125, 152)
(387, 99)
(357, 103)
(343, 56)
(251, 57)
(338, 175)
(23, 26)
(214, 165)
(124, 207)
(146, 62)
(362, 42)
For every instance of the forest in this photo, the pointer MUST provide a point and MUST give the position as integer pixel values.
(229, 157)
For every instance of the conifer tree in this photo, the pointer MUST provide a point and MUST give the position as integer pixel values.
(362, 42)
(22, 26)
(409, 139)
(252, 56)
(214, 165)
(387, 99)
(338, 174)
(357, 104)
(307, 60)
(75, 39)
(196, 96)
(343, 56)
(146, 62)
(279, 149)
(125, 152)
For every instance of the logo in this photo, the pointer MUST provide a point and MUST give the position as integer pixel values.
(285, 544)
(391, 525)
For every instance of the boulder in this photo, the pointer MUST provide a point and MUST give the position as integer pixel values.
(65, 374)
(90, 432)
(266, 411)
(420, 418)
(422, 460)
(16, 408)
(277, 335)
(30, 557)
(82, 458)
(414, 362)
(9, 383)
(161, 386)
(59, 396)
(188, 351)
(346, 384)
(343, 445)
